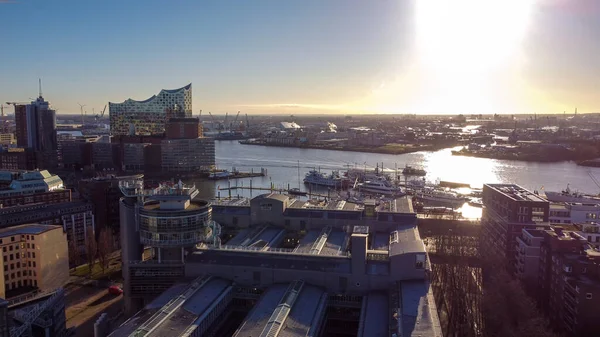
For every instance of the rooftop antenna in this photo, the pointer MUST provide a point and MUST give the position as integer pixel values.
(40, 86)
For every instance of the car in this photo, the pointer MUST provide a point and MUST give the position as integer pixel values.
(115, 290)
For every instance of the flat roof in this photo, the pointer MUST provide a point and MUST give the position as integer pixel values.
(398, 205)
(27, 229)
(516, 192)
(304, 312)
(406, 239)
(380, 241)
(376, 316)
(419, 313)
(338, 264)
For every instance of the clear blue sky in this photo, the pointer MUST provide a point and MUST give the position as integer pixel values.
(268, 56)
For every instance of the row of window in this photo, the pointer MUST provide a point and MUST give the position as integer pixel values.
(18, 274)
(18, 284)
(16, 247)
(12, 265)
(13, 256)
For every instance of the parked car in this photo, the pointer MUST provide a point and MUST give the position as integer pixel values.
(115, 290)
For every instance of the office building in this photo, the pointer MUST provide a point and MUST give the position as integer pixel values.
(291, 267)
(76, 218)
(508, 209)
(34, 257)
(20, 159)
(149, 117)
(188, 155)
(31, 187)
(36, 129)
(35, 315)
(169, 220)
(569, 282)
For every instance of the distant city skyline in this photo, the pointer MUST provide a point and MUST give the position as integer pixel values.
(311, 56)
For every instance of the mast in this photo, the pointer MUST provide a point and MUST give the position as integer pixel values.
(298, 174)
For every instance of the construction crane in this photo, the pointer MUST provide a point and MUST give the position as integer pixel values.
(594, 179)
(200, 115)
(215, 124)
(81, 106)
(247, 122)
(225, 122)
(101, 114)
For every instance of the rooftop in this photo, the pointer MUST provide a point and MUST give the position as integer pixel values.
(516, 192)
(406, 240)
(26, 229)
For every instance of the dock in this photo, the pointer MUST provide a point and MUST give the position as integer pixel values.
(270, 189)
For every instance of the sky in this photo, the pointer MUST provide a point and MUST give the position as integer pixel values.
(307, 56)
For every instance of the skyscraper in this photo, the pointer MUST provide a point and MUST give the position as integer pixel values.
(36, 129)
(149, 117)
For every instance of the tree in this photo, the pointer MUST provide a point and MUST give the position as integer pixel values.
(91, 250)
(105, 247)
(74, 254)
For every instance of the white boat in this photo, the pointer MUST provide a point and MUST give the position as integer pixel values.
(430, 194)
(315, 177)
(220, 174)
(380, 186)
(567, 195)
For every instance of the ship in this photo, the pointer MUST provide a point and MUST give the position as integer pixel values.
(413, 171)
(567, 195)
(296, 191)
(379, 186)
(314, 177)
(434, 195)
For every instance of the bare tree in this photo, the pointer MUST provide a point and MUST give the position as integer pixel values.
(105, 244)
(74, 254)
(91, 250)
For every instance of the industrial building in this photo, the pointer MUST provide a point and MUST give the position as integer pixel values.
(34, 257)
(281, 267)
(149, 117)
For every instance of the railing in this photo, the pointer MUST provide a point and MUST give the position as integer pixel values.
(30, 316)
(172, 242)
(29, 297)
(146, 262)
(269, 251)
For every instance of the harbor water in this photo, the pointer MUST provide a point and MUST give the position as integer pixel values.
(282, 164)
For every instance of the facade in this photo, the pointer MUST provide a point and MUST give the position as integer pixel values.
(76, 219)
(34, 256)
(508, 209)
(31, 187)
(104, 194)
(20, 159)
(188, 155)
(590, 231)
(572, 212)
(184, 128)
(133, 157)
(569, 282)
(528, 256)
(149, 117)
(7, 139)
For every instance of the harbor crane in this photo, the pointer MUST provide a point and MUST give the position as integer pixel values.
(235, 120)
(101, 114)
(247, 122)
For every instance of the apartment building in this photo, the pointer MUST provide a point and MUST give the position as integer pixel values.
(33, 256)
(508, 209)
(569, 282)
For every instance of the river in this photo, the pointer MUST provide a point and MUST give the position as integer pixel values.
(282, 166)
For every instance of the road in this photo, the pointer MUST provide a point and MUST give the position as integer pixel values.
(85, 303)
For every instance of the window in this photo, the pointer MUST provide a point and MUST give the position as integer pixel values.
(18, 274)
(5, 268)
(12, 239)
(28, 245)
(34, 263)
(12, 266)
(12, 275)
(10, 248)
(28, 254)
(18, 264)
(33, 254)
(4, 249)
(420, 261)
(5, 258)
(11, 257)
(29, 262)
